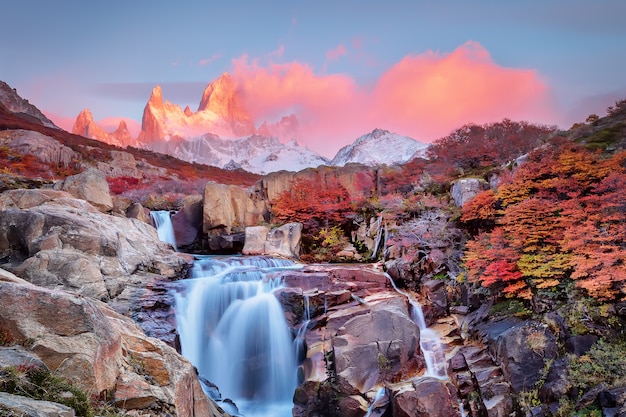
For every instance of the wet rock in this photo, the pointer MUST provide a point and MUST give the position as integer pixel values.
(381, 345)
(187, 222)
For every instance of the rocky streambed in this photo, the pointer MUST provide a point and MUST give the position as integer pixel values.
(88, 296)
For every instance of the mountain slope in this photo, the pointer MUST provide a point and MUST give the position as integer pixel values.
(379, 147)
(16, 104)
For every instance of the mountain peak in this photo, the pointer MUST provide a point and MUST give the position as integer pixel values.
(222, 98)
(86, 126)
(156, 98)
(367, 149)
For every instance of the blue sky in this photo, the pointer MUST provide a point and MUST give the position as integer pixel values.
(65, 56)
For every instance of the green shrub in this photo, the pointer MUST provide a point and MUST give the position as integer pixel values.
(40, 384)
(604, 363)
(510, 307)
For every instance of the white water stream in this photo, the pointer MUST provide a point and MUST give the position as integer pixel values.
(233, 329)
(430, 342)
(163, 223)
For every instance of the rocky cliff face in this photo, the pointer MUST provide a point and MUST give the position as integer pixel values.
(359, 181)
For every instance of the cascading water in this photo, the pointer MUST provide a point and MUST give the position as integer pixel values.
(163, 223)
(430, 343)
(233, 329)
(299, 341)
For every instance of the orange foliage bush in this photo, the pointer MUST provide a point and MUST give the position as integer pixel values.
(560, 217)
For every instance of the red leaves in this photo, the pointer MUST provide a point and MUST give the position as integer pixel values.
(308, 201)
(117, 185)
(473, 146)
(562, 215)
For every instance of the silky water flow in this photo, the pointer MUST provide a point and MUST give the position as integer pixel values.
(233, 329)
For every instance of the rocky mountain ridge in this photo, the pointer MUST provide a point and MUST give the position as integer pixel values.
(16, 104)
(202, 136)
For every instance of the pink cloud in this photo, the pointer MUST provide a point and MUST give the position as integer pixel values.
(335, 54)
(278, 52)
(423, 96)
(357, 42)
(428, 95)
(207, 61)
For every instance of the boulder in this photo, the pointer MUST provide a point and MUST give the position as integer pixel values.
(187, 222)
(428, 397)
(89, 344)
(90, 185)
(139, 212)
(464, 189)
(16, 405)
(229, 208)
(378, 344)
(522, 351)
(283, 241)
(45, 148)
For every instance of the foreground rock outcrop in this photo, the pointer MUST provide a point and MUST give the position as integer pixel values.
(101, 351)
(227, 210)
(69, 259)
(362, 347)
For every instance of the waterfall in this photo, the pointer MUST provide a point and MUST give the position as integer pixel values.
(380, 393)
(430, 343)
(163, 223)
(233, 329)
(299, 341)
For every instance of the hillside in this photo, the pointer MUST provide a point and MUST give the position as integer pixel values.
(87, 152)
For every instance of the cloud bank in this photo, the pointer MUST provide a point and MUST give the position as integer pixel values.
(423, 96)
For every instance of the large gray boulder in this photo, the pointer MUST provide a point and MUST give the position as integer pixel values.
(283, 241)
(90, 185)
(21, 406)
(45, 148)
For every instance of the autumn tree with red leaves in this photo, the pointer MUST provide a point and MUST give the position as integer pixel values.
(560, 217)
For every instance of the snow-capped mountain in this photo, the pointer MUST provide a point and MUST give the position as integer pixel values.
(258, 154)
(380, 147)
